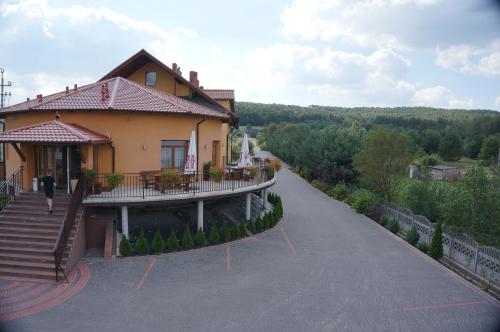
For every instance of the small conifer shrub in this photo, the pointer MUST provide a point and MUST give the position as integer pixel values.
(393, 226)
(141, 245)
(172, 242)
(436, 247)
(235, 232)
(224, 233)
(243, 229)
(158, 244)
(251, 226)
(258, 224)
(213, 236)
(187, 239)
(412, 236)
(265, 220)
(200, 239)
(125, 247)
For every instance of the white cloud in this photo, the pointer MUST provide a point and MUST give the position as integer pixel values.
(29, 85)
(439, 96)
(461, 103)
(497, 102)
(471, 60)
(77, 15)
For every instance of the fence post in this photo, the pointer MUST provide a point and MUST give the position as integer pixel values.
(476, 258)
(430, 234)
(450, 249)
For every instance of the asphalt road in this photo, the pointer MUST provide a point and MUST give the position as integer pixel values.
(326, 268)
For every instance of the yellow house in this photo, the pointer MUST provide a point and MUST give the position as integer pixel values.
(122, 141)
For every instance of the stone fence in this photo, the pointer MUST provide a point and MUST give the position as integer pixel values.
(461, 249)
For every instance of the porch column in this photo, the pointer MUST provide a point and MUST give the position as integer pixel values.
(248, 207)
(125, 221)
(264, 199)
(200, 214)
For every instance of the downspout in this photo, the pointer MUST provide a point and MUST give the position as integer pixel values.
(198, 144)
(112, 157)
(230, 132)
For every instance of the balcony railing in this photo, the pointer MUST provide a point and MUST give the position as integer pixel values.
(175, 182)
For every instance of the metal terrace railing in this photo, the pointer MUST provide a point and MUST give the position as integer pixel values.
(11, 187)
(69, 222)
(175, 182)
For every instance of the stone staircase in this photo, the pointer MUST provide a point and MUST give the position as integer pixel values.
(28, 234)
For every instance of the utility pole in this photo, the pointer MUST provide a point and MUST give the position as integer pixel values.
(3, 85)
(3, 94)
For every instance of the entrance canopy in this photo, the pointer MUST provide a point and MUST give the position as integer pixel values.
(53, 132)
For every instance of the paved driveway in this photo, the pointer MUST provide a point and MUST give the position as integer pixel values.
(326, 268)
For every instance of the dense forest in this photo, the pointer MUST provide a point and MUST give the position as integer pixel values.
(340, 149)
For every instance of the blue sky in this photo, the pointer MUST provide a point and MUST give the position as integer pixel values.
(442, 53)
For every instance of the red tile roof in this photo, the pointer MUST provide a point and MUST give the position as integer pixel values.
(53, 132)
(138, 60)
(218, 94)
(122, 95)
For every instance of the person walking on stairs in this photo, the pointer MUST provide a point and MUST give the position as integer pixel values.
(48, 188)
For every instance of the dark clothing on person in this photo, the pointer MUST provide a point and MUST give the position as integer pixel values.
(48, 186)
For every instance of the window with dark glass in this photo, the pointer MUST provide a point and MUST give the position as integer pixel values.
(150, 78)
(173, 154)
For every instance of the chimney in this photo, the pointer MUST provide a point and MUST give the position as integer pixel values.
(103, 93)
(39, 98)
(75, 88)
(193, 78)
(174, 67)
(106, 90)
(67, 90)
(28, 99)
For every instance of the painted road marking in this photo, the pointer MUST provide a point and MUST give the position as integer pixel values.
(146, 274)
(290, 245)
(444, 306)
(42, 297)
(228, 258)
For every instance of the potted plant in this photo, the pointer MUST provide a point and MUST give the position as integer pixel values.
(169, 178)
(90, 176)
(252, 172)
(114, 180)
(216, 174)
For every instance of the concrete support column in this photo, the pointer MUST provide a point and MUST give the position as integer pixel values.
(200, 214)
(125, 221)
(248, 207)
(264, 199)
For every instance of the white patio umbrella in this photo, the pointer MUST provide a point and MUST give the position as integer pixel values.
(245, 160)
(190, 165)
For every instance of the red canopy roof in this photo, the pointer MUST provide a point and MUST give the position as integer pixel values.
(53, 132)
(117, 94)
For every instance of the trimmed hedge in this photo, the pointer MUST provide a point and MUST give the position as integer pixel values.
(243, 228)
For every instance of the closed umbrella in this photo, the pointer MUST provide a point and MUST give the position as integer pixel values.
(245, 160)
(190, 165)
